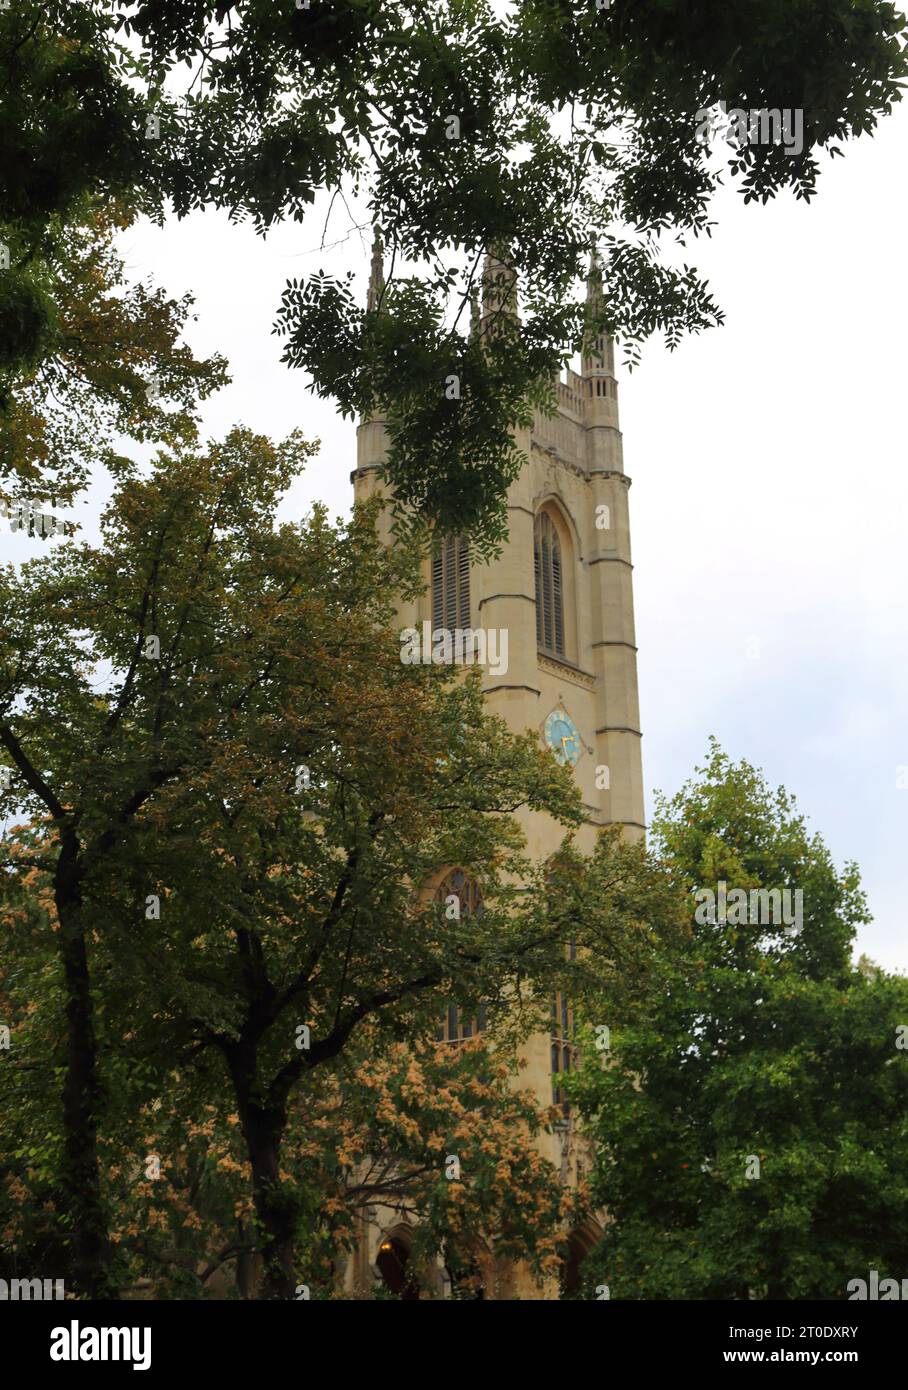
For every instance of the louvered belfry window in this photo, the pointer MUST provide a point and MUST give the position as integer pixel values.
(549, 586)
(451, 583)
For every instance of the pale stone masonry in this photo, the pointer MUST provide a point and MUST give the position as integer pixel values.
(574, 472)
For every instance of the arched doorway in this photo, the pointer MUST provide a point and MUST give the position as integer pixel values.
(575, 1249)
(393, 1261)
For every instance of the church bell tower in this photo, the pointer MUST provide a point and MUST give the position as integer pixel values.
(561, 588)
(562, 584)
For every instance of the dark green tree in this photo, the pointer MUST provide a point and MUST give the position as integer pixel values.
(750, 1127)
(114, 364)
(245, 792)
(72, 129)
(537, 133)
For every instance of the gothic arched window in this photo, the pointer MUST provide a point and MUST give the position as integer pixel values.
(563, 1041)
(549, 567)
(460, 894)
(564, 1049)
(451, 583)
(460, 1024)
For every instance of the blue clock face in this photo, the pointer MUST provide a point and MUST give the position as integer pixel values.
(562, 737)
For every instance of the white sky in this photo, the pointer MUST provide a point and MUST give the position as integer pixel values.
(770, 499)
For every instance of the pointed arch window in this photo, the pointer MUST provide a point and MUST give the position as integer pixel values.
(451, 583)
(458, 1023)
(549, 568)
(563, 1041)
(564, 1049)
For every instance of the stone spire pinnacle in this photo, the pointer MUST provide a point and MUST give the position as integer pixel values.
(474, 317)
(499, 287)
(599, 348)
(600, 387)
(594, 279)
(377, 273)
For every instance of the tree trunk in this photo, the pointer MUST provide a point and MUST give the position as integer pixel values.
(263, 1129)
(82, 1206)
(245, 1263)
(274, 1208)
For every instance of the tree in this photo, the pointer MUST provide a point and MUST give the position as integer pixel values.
(72, 133)
(32, 1020)
(113, 364)
(537, 133)
(380, 1127)
(250, 798)
(750, 1124)
(222, 663)
(440, 1134)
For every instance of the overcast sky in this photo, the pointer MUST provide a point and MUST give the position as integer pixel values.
(769, 505)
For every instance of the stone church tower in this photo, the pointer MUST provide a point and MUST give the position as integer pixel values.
(562, 590)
